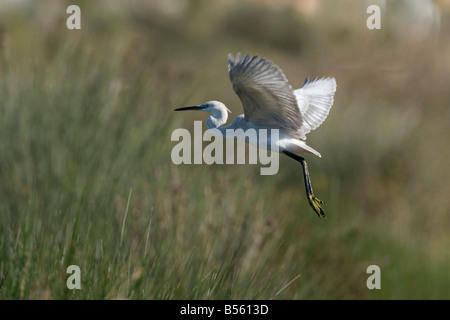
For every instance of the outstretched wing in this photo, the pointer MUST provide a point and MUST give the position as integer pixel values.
(268, 100)
(315, 100)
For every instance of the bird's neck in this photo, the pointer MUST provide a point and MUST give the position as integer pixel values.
(217, 119)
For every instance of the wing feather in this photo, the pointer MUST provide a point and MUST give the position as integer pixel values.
(268, 99)
(315, 100)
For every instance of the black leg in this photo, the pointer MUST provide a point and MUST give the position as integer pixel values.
(314, 202)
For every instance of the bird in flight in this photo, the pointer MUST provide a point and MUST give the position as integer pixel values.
(270, 103)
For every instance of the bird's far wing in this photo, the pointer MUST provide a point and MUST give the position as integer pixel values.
(315, 100)
(267, 98)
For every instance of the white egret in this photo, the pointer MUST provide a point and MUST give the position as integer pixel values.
(270, 103)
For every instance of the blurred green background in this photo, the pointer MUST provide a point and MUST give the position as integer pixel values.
(86, 176)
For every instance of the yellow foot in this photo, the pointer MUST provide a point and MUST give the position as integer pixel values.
(315, 203)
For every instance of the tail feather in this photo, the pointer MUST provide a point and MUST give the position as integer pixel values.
(298, 147)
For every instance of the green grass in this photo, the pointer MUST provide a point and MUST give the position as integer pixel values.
(86, 176)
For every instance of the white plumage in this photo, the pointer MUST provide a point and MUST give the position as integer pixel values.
(269, 102)
(314, 101)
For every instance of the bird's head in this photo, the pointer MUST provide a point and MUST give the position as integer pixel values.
(218, 110)
(213, 107)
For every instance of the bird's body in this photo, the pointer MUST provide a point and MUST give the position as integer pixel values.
(270, 103)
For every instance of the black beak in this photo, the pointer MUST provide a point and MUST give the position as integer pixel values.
(190, 108)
